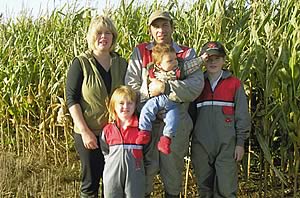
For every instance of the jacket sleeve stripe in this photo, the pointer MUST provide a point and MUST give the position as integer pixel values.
(126, 146)
(215, 103)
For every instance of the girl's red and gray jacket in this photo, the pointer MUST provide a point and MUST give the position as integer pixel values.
(119, 147)
(222, 114)
(124, 168)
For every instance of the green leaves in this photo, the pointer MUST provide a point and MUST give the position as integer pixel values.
(267, 154)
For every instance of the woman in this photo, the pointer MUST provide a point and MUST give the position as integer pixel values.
(91, 79)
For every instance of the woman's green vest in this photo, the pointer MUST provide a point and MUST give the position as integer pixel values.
(94, 100)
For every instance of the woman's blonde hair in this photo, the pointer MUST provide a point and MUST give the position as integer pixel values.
(159, 50)
(121, 93)
(96, 25)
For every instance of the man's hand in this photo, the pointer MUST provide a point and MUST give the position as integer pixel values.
(239, 153)
(161, 114)
(89, 139)
(156, 87)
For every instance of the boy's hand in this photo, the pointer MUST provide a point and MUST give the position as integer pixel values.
(204, 57)
(239, 153)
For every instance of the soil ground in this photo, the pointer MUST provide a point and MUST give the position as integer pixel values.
(33, 176)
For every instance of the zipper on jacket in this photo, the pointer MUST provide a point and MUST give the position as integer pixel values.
(122, 138)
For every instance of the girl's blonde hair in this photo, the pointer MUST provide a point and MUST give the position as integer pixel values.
(159, 50)
(121, 93)
(96, 25)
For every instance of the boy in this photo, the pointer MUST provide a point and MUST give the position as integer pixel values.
(164, 68)
(222, 125)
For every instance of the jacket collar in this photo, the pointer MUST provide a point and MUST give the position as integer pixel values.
(226, 74)
(134, 122)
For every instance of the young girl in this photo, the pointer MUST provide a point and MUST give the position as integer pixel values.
(123, 174)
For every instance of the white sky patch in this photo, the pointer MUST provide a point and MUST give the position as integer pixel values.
(38, 8)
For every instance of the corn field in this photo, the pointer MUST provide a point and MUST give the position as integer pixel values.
(262, 38)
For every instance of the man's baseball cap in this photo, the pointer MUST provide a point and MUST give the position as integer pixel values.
(213, 48)
(159, 14)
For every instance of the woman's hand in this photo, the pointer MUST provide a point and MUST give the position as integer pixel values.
(88, 137)
(156, 87)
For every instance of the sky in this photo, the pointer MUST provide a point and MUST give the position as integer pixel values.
(13, 8)
(35, 8)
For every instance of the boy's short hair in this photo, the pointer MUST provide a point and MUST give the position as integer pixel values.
(213, 48)
(159, 50)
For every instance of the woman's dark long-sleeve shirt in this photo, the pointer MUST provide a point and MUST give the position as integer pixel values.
(75, 79)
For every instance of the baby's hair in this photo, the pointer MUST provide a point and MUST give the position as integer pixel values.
(159, 50)
(119, 94)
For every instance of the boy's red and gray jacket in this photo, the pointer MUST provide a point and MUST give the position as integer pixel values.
(118, 145)
(222, 114)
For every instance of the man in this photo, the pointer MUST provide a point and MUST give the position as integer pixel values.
(183, 91)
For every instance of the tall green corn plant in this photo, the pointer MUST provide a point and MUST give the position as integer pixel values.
(62, 44)
(236, 31)
(290, 79)
(265, 39)
(34, 60)
(190, 24)
(13, 70)
(131, 20)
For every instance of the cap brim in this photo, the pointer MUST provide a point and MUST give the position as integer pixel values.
(211, 52)
(159, 17)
